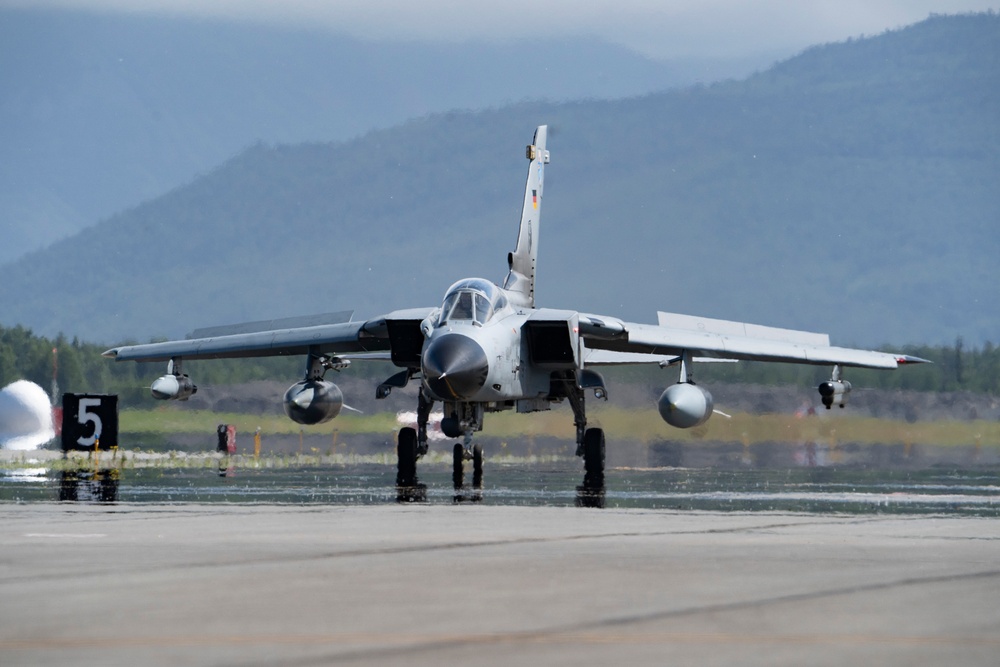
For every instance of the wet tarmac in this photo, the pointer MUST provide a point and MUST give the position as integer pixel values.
(946, 490)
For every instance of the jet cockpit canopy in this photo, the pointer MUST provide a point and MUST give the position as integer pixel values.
(472, 300)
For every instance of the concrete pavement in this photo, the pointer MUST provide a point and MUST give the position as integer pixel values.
(486, 585)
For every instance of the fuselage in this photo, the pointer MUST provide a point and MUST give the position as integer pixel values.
(474, 351)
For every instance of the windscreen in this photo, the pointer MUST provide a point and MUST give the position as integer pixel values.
(472, 300)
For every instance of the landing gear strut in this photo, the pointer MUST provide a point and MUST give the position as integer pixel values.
(589, 441)
(465, 419)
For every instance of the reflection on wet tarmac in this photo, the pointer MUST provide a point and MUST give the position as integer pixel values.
(591, 492)
(974, 491)
(467, 494)
(99, 486)
(413, 492)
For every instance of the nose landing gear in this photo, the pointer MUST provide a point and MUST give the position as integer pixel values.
(460, 455)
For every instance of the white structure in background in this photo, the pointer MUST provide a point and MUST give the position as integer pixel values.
(25, 416)
(409, 418)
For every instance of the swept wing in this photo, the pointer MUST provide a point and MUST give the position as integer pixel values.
(677, 335)
(350, 338)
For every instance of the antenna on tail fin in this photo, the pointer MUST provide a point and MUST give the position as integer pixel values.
(521, 278)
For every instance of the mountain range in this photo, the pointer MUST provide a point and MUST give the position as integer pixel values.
(101, 111)
(850, 189)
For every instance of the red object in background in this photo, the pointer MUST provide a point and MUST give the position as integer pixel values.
(227, 438)
(57, 415)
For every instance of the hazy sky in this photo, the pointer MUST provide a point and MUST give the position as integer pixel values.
(657, 28)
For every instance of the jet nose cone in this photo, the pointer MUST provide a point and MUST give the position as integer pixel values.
(455, 367)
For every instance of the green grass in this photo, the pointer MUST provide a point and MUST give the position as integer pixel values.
(203, 421)
(639, 425)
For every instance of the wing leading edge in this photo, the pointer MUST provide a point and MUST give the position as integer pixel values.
(677, 335)
(359, 337)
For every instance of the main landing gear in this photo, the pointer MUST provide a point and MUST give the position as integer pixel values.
(589, 441)
(412, 443)
(593, 453)
(406, 455)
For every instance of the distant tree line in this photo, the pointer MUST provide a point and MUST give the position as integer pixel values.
(81, 368)
(953, 368)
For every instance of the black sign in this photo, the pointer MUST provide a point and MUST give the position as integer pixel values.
(89, 420)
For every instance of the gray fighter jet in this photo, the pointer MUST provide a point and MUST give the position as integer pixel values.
(488, 348)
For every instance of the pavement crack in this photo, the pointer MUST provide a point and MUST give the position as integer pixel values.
(579, 631)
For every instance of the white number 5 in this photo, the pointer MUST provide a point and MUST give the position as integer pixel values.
(84, 415)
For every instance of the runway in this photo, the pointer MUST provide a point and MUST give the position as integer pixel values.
(227, 584)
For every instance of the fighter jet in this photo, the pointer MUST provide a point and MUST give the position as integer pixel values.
(489, 348)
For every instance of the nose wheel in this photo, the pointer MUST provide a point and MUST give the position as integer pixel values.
(460, 454)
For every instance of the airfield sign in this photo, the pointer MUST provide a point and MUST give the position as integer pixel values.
(89, 421)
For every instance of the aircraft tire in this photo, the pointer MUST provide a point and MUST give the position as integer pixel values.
(458, 465)
(477, 466)
(406, 455)
(593, 451)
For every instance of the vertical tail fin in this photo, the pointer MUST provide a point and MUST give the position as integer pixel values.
(521, 278)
